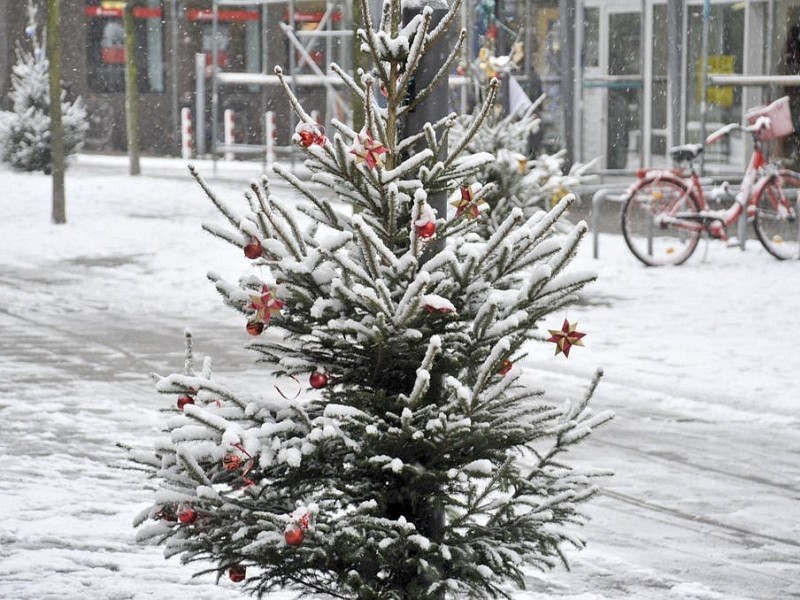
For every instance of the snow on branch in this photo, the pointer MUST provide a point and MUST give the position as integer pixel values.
(409, 165)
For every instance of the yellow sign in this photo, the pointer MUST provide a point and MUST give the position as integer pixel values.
(721, 95)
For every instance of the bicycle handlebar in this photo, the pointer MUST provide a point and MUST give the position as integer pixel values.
(761, 123)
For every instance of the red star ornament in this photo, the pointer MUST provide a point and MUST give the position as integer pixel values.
(369, 151)
(465, 203)
(265, 304)
(566, 337)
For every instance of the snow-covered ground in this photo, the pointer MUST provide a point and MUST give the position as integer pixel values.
(701, 369)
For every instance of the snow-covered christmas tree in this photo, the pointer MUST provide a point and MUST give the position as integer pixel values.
(404, 456)
(518, 179)
(25, 131)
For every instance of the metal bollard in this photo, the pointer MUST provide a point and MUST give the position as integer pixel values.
(229, 131)
(187, 133)
(270, 134)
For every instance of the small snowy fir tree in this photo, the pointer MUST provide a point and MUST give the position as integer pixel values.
(25, 131)
(519, 180)
(403, 455)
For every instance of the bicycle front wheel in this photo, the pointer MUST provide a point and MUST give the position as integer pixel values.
(775, 221)
(659, 222)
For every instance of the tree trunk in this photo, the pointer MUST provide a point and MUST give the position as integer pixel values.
(59, 214)
(131, 91)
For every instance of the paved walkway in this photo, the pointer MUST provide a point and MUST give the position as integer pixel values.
(701, 508)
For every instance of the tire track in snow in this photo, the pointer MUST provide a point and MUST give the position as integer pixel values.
(703, 468)
(694, 518)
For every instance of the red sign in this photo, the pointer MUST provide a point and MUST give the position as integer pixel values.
(228, 16)
(112, 55)
(312, 16)
(139, 12)
(222, 59)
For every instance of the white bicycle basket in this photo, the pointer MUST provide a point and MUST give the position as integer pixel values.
(780, 119)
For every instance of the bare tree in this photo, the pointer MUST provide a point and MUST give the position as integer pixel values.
(56, 123)
(131, 91)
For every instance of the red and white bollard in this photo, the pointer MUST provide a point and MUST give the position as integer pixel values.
(187, 134)
(271, 135)
(229, 131)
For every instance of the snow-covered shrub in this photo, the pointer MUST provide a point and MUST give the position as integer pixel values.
(519, 180)
(25, 137)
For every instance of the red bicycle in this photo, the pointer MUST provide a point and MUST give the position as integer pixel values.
(666, 211)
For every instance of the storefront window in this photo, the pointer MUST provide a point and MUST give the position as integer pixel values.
(725, 55)
(106, 45)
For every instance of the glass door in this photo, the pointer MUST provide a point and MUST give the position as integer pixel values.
(624, 59)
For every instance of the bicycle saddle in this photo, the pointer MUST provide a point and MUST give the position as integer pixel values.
(686, 153)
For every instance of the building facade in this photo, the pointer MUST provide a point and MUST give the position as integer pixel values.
(641, 73)
(623, 78)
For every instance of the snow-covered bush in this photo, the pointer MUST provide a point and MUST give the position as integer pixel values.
(25, 137)
(530, 183)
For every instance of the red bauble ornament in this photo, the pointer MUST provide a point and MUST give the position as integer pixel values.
(427, 230)
(310, 134)
(507, 364)
(231, 462)
(253, 250)
(306, 137)
(443, 310)
(294, 537)
(237, 573)
(255, 327)
(187, 516)
(184, 400)
(318, 380)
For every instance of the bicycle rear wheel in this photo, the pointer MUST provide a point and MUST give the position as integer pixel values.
(649, 225)
(775, 221)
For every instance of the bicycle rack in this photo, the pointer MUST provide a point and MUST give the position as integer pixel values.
(607, 194)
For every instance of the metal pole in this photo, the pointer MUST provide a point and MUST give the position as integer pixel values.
(176, 111)
(292, 73)
(770, 36)
(466, 26)
(214, 82)
(264, 91)
(329, 93)
(645, 116)
(674, 51)
(200, 103)
(704, 80)
(567, 11)
(577, 97)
